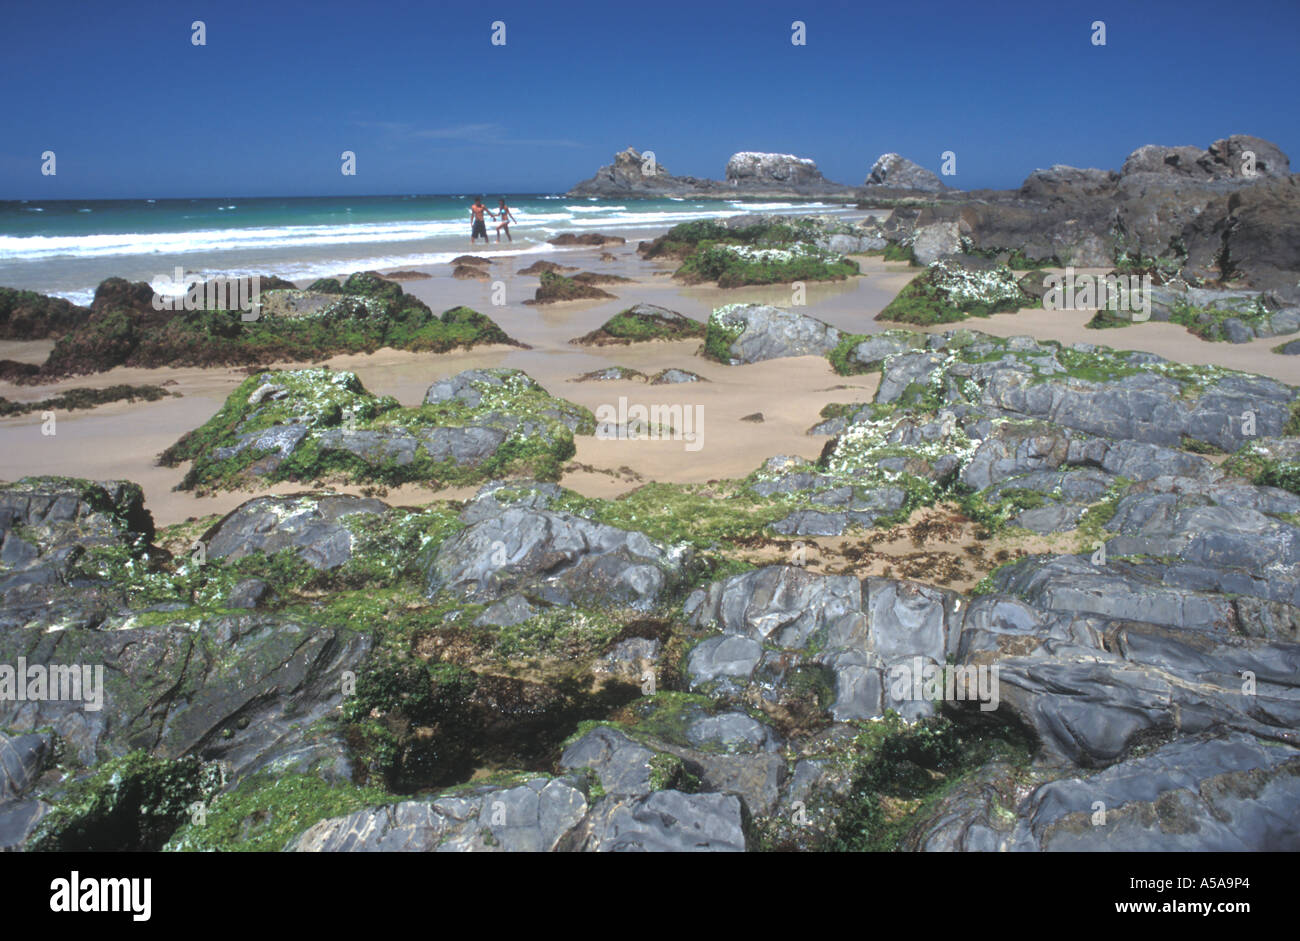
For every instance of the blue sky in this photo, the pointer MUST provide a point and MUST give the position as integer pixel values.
(418, 92)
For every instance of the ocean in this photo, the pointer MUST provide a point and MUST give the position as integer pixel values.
(67, 247)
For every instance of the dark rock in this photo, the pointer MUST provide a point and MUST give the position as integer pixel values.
(666, 377)
(539, 266)
(249, 593)
(22, 759)
(243, 690)
(642, 322)
(585, 238)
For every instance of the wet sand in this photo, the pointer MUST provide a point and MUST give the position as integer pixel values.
(122, 440)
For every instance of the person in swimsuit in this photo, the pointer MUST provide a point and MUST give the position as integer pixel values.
(503, 212)
(478, 226)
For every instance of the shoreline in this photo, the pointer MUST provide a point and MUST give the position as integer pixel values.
(71, 267)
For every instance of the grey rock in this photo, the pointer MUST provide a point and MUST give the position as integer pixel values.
(18, 821)
(1071, 584)
(622, 765)
(470, 385)
(509, 611)
(555, 558)
(248, 593)
(1232, 794)
(1236, 331)
(22, 759)
(903, 370)
(934, 241)
(674, 376)
(533, 817)
(665, 821)
(772, 333)
(726, 656)
(311, 526)
(876, 348)
(491, 499)
(897, 172)
(733, 731)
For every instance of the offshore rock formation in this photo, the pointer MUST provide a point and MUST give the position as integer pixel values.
(896, 172)
(748, 174)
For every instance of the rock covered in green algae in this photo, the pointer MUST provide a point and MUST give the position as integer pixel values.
(364, 314)
(557, 287)
(642, 322)
(314, 424)
(950, 290)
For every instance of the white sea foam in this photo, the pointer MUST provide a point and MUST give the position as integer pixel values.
(33, 247)
(80, 298)
(311, 270)
(303, 252)
(15, 248)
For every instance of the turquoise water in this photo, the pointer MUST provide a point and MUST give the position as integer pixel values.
(67, 247)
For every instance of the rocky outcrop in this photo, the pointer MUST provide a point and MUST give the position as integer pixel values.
(758, 175)
(364, 313)
(597, 239)
(1226, 212)
(1131, 684)
(317, 424)
(749, 169)
(896, 172)
(635, 174)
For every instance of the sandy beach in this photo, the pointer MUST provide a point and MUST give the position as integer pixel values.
(122, 440)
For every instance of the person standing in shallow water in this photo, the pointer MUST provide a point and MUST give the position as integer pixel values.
(506, 217)
(477, 225)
